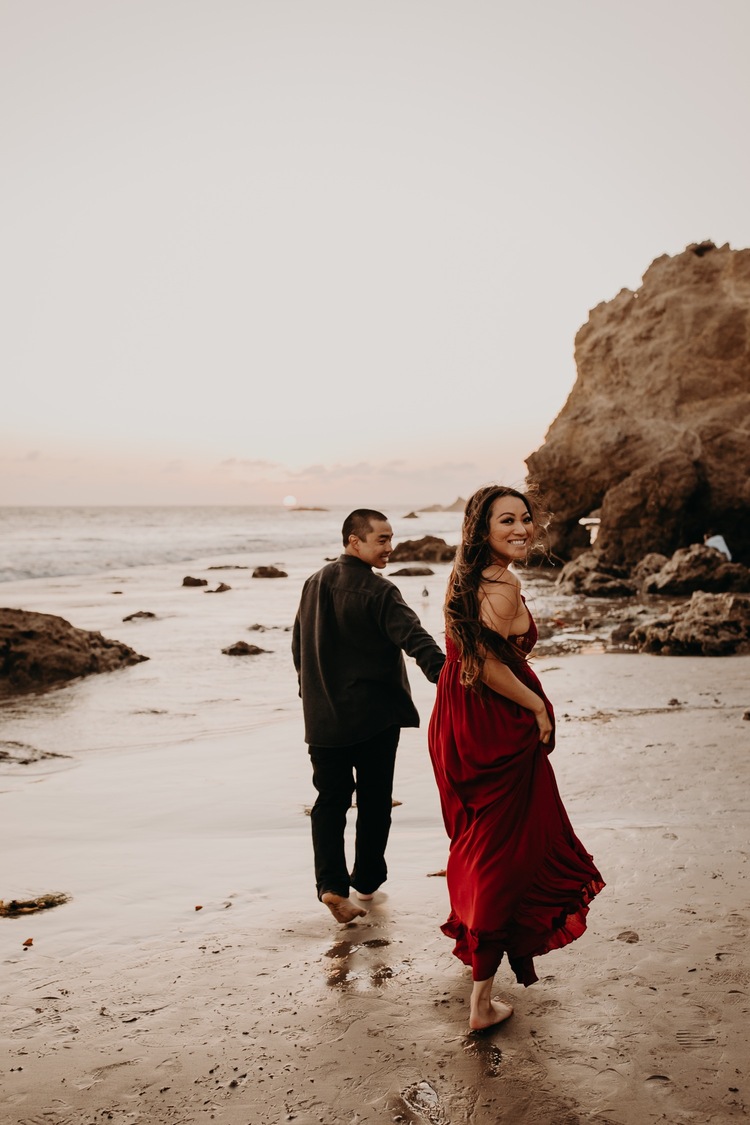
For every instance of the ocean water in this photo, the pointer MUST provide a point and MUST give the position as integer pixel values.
(95, 567)
(53, 542)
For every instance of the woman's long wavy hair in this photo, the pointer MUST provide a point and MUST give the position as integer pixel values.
(463, 623)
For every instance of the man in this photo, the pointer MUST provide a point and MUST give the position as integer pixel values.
(350, 633)
(718, 542)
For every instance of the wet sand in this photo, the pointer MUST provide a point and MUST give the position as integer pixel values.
(135, 1007)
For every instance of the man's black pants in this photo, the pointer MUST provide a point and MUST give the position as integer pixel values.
(337, 771)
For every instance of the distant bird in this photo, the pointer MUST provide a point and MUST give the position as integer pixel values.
(425, 592)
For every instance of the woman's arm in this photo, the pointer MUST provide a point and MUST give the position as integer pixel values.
(500, 678)
(500, 605)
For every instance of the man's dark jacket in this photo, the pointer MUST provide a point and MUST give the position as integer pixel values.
(349, 633)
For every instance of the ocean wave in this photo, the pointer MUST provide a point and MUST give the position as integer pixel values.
(55, 542)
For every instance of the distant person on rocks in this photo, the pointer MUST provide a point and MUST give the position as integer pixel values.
(712, 539)
(519, 880)
(351, 630)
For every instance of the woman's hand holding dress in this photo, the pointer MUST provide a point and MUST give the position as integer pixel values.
(543, 722)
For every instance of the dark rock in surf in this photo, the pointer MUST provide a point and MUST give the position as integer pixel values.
(17, 907)
(242, 648)
(269, 572)
(430, 548)
(39, 651)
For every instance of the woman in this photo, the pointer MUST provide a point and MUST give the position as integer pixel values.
(518, 878)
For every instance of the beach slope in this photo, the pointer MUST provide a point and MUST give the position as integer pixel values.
(194, 977)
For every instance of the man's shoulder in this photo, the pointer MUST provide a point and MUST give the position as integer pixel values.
(364, 580)
(328, 571)
(344, 574)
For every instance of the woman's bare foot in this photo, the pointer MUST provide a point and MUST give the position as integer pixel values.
(489, 1015)
(342, 909)
(364, 898)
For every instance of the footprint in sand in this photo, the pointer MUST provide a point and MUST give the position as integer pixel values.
(731, 976)
(364, 971)
(544, 1006)
(490, 1055)
(423, 1099)
(659, 1084)
(691, 1038)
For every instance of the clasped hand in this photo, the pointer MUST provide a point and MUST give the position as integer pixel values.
(544, 724)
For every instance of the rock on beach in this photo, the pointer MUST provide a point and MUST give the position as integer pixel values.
(269, 572)
(40, 650)
(430, 548)
(699, 568)
(242, 648)
(707, 625)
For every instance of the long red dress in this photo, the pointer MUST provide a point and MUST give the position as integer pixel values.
(519, 879)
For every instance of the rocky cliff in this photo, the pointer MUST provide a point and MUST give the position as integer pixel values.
(656, 431)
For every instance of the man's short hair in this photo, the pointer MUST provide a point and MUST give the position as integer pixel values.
(359, 523)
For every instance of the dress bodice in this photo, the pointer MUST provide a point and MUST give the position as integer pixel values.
(524, 641)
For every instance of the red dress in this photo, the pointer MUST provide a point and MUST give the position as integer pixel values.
(519, 879)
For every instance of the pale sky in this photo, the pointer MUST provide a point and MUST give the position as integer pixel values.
(336, 249)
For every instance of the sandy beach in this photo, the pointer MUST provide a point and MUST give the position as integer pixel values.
(193, 976)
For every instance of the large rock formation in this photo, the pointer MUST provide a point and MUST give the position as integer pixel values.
(39, 650)
(656, 431)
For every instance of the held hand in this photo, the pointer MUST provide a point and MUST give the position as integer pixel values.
(544, 724)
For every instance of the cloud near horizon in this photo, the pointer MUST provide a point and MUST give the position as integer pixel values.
(61, 477)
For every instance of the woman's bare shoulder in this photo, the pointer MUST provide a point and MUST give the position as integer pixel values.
(499, 597)
(496, 577)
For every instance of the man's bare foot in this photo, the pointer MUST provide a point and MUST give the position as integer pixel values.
(364, 898)
(342, 909)
(488, 1016)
